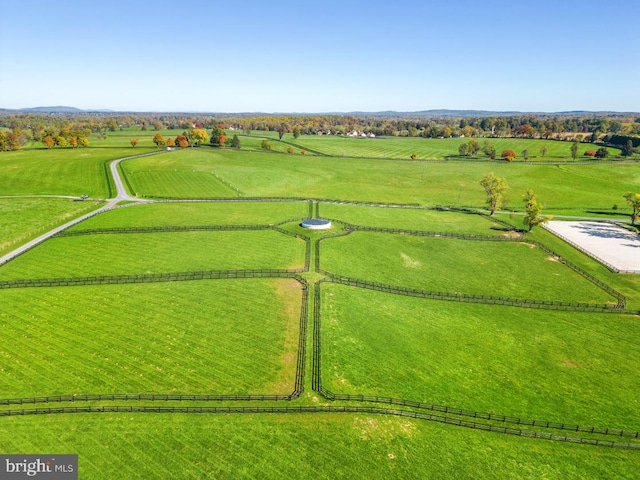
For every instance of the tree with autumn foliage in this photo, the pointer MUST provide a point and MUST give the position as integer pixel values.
(73, 141)
(48, 141)
(159, 140)
(198, 136)
(171, 142)
(182, 141)
(508, 154)
(134, 142)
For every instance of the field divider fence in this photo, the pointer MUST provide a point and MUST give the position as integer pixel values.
(471, 298)
(152, 278)
(323, 409)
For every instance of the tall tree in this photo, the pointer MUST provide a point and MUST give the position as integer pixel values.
(633, 200)
(543, 151)
(495, 188)
(627, 150)
(282, 129)
(235, 141)
(533, 211)
(216, 133)
(574, 150)
(296, 131)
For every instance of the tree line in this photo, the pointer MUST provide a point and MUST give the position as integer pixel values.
(615, 129)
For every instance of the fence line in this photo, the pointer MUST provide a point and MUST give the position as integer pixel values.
(151, 278)
(472, 298)
(324, 409)
(179, 228)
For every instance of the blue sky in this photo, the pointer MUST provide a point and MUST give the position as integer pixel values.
(284, 56)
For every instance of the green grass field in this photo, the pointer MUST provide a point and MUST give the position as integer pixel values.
(331, 446)
(146, 253)
(520, 362)
(412, 219)
(239, 336)
(193, 214)
(22, 219)
(59, 172)
(432, 148)
(197, 173)
(511, 269)
(205, 337)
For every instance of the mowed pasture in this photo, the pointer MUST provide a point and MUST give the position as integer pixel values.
(152, 253)
(567, 367)
(413, 219)
(303, 446)
(196, 214)
(60, 171)
(447, 183)
(239, 336)
(433, 148)
(25, 218)
(205, 337)
(493, 268)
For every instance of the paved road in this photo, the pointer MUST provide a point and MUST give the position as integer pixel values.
(121, 195)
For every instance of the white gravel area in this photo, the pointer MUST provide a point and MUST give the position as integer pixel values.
(610, 244)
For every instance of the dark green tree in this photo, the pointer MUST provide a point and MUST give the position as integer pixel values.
(574, 150)
(235, 141)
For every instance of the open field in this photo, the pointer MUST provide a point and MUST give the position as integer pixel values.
(562, 366)
(454, 183)
(59, 172)
(25, 218)
(205, 337)
(193, 214)
(412, 219)
(511, 269)
(147, 253)
(304, 446)
(432, 148)
(239, 336)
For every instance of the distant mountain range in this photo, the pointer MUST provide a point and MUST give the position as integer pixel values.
(56, 109)
(63, 110)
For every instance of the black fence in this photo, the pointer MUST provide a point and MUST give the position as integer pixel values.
(180, 228)
(151, 278)
(473, 298)
(323, 409)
